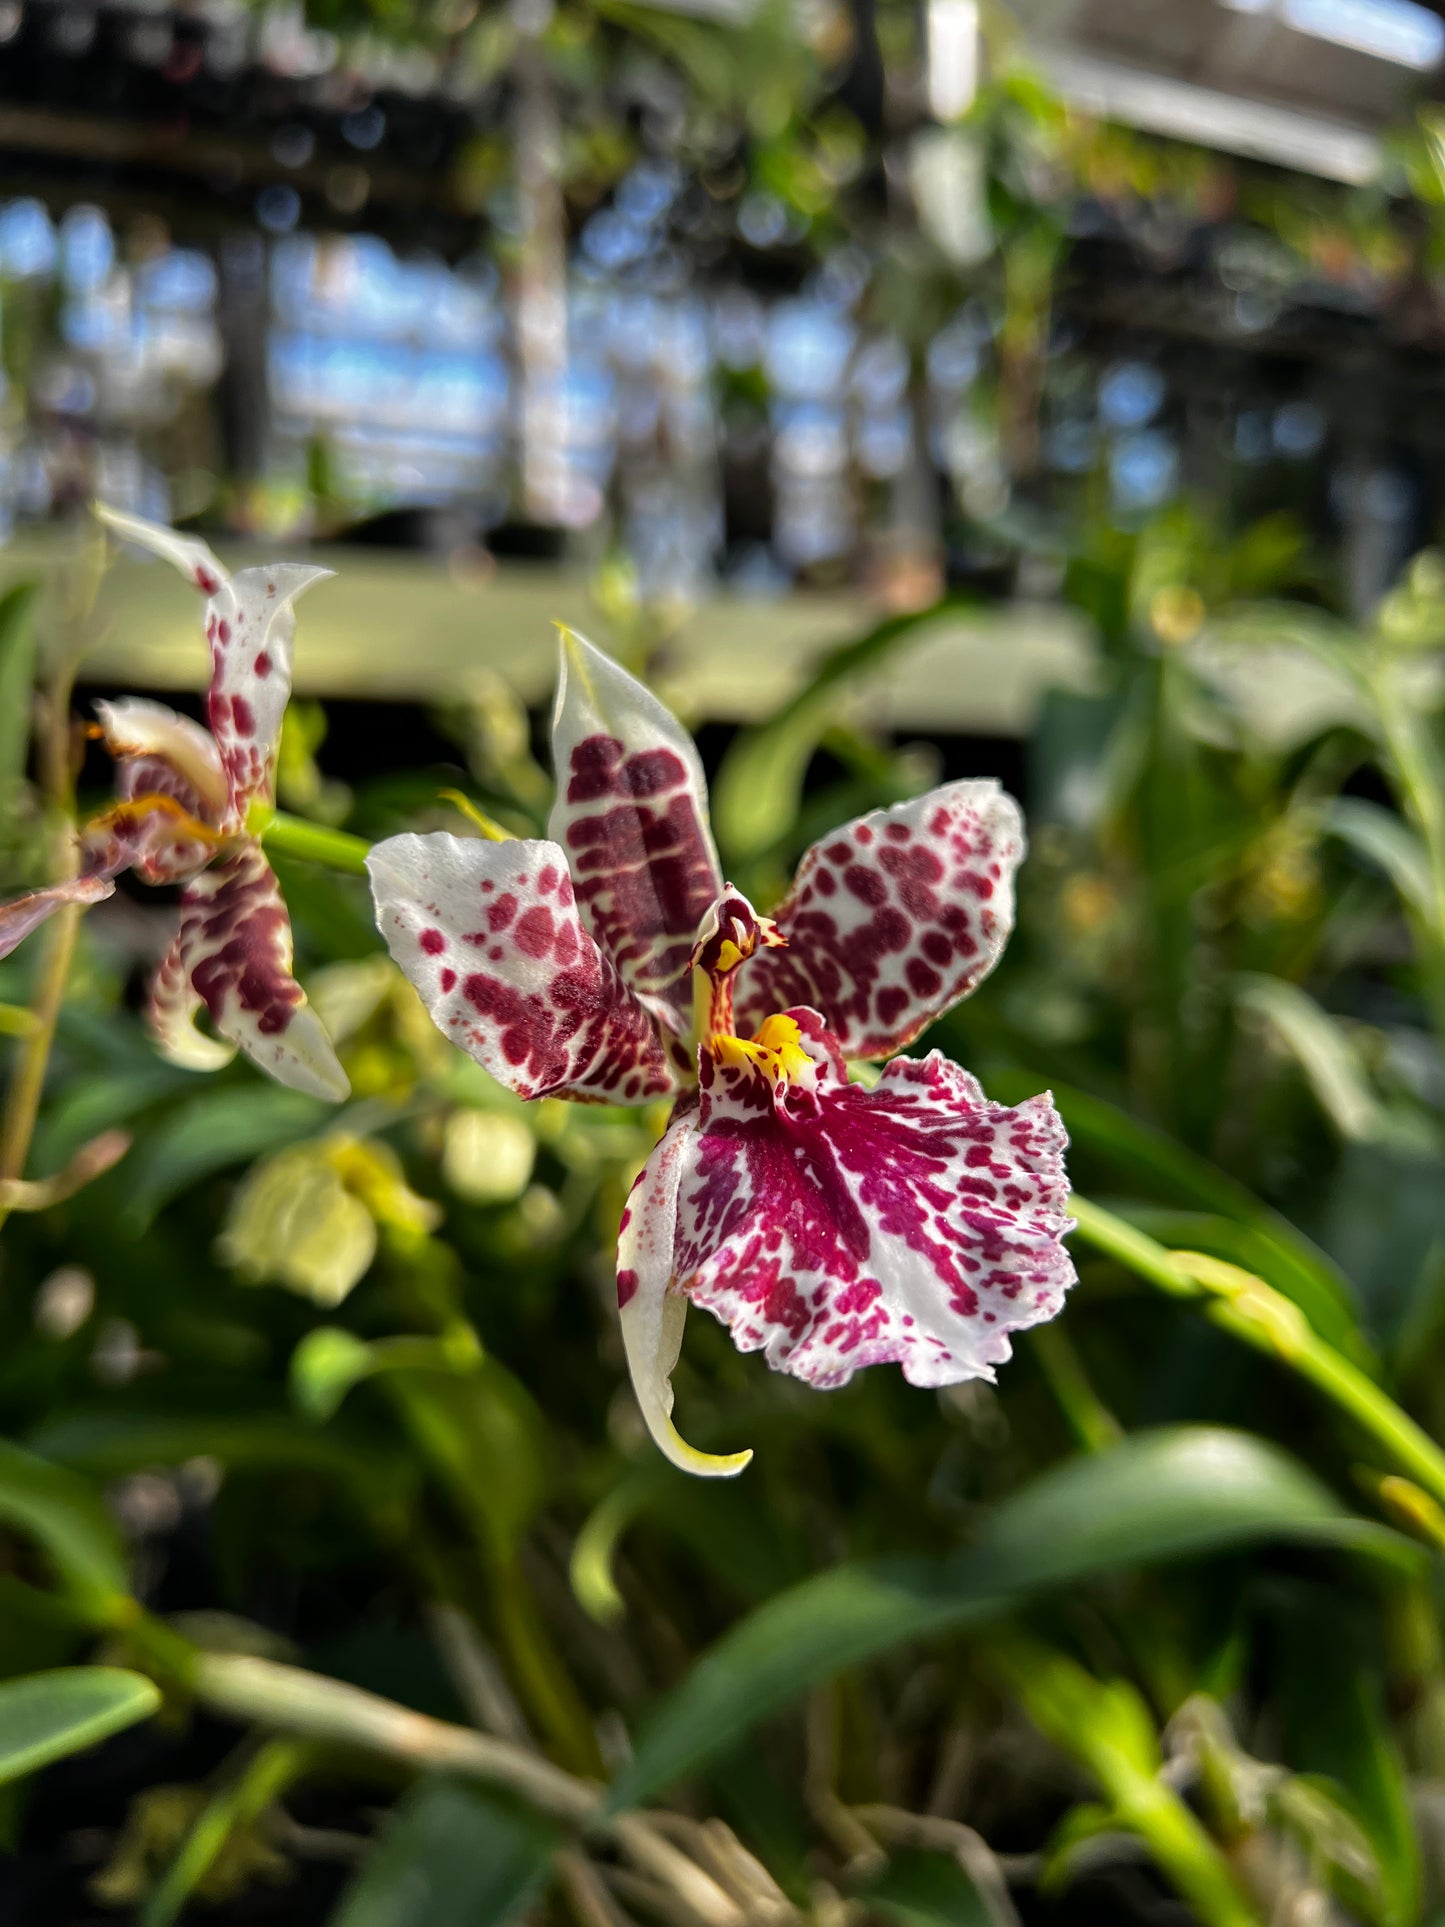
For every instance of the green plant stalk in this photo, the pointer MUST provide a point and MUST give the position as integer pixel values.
(1092, 1424)
(1252, 1311)
(290, 1700)
(264, 1778)
(540, 1676)
(337, 849)
(22, 1100)
(1147, 1805)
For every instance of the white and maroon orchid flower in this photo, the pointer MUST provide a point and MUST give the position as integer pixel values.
(187, 808)
(827, 1224)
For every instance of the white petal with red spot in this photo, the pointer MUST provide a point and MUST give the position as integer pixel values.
(23, 914)
(490, 936)
(631, 814)
(651, 1310)
(835, 1227)
(250, 624)
(893, 918)
(234, 947)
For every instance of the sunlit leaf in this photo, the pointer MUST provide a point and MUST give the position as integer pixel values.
(65, 1516)
(1171, 1494)
(48, 1715)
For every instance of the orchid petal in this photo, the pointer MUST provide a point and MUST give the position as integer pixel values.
(151, 743)
(172, 791)
(835, 1227)
(234, 948)
(894, 918)
(172, 1006)
(631, 813)
(651, 1309)
(23, 914)
(490, 936)
(250, 624)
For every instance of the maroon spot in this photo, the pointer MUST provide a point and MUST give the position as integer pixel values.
(534, 931)
(892, 1003)
(865, 884)
(863, 834)
(432, 942)
(825, 883)
(449, 980)
(936, 947)
(547, 882)
(243, 716)
(263, 665)
(595, 765)
(206, 582)
(223, 633)
(899, 832)
(653, 770)
(838, 852)
(923, 980)
(626, 1286)
(501, 913)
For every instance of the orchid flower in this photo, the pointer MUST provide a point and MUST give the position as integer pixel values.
(829, 1225)
(190, 804)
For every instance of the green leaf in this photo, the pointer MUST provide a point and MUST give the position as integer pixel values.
(48, 1715)
(1388, 842)
(1284, 1256)
(1323, 1049)
(227, 1125)
(1162, 1495)
(760, 783)
(927, 1890)
(453, 1856)
(65, 1515)
(17, 678)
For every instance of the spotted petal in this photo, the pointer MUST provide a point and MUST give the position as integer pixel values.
(234, 949)
(894, 918)
(23, 914)
(250, 624)
(490, 936)
(834, 1227)
(631, 813)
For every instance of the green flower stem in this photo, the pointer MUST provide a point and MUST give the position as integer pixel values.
(1254, 1312)
(1109, 1730)
(1092, 1423)
(316, 843)
(239, 1804)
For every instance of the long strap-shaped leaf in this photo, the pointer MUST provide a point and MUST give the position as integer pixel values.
(1157, 1495)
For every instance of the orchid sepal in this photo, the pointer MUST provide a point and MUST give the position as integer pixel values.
(631, 815)
(651, 1310)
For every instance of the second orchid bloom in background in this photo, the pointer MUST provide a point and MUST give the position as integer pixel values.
(828, 1224)
(187, 810)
